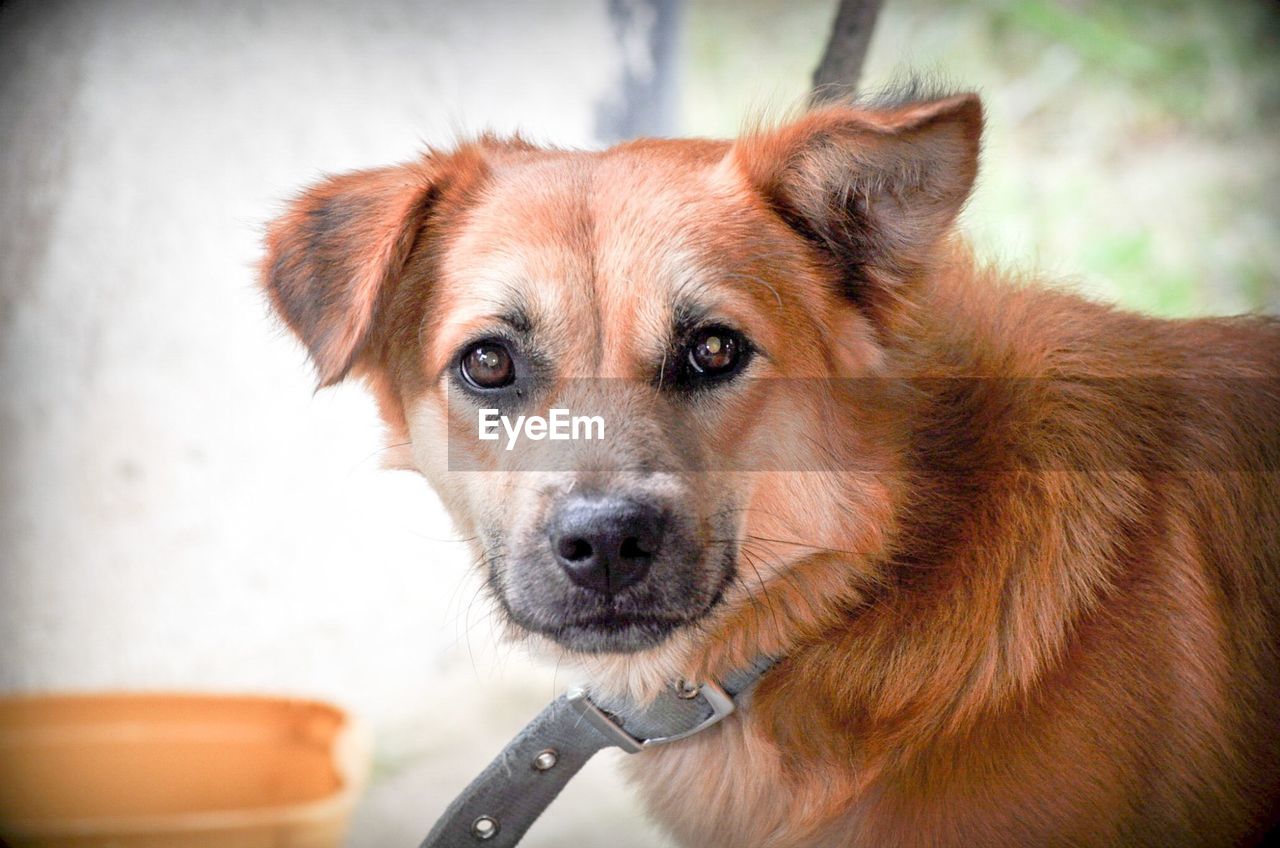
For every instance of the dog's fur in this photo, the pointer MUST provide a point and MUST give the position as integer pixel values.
(1021, 556)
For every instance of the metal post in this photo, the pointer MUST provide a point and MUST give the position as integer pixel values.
(836, 76)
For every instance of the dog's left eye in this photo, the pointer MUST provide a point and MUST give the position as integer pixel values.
(714, 352)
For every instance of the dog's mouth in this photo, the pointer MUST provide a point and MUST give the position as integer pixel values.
(616, 631)
(626, 623)
(623, 632)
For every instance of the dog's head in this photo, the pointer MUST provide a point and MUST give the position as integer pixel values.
(696, 296)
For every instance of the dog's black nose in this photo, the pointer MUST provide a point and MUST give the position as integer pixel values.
(606, 544)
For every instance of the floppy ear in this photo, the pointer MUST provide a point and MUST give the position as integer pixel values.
(332, 256)
(874, 189)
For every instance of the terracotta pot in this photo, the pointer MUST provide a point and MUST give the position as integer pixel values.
(177, 771)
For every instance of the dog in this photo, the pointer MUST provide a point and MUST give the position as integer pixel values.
(1018, 552)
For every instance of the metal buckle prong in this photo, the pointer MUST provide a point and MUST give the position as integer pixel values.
(721, 705)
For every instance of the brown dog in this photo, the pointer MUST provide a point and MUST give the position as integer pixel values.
(1020, 552)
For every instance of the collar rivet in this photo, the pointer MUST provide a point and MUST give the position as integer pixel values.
(687, 690)
(485, 827)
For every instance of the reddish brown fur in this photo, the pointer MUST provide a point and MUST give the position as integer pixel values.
(1043, 604)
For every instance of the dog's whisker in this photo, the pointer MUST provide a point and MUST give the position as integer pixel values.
(767, 597)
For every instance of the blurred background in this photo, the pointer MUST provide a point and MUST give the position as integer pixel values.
(178, 510)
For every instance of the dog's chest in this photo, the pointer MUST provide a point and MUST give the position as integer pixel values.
(726, 788)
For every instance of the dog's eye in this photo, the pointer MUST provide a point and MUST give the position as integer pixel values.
(488, 365)
(715, 352)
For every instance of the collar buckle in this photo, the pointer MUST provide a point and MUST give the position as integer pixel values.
(716, 698)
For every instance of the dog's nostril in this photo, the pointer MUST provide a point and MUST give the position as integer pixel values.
(633, 548)
(575, 550)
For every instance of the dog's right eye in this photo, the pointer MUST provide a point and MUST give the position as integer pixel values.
(710, 355)
(488, 365)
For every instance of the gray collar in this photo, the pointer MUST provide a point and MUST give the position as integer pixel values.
(509, 795)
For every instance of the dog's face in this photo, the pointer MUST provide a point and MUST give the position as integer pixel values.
(694, 296)
(601, 287)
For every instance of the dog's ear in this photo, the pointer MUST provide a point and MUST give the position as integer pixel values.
(873, 188)
(333, 254)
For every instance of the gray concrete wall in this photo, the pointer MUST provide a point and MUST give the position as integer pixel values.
(178, 509)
